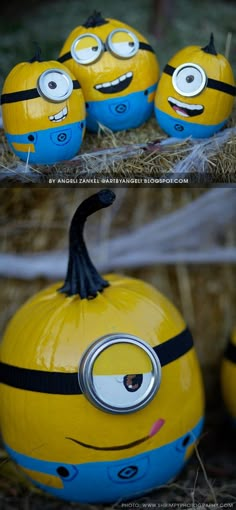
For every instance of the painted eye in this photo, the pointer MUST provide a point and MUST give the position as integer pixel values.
(189, 79)
(86, 49)
(126, 394)
(55, 85)
(123, 43)
(106, 380)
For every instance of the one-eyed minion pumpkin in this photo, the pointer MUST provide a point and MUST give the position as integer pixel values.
(228, 377)
(118, 71)
(195, 94)
(43, 111)
(101, 376)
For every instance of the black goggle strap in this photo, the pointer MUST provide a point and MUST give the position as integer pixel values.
(230, 352)
(60, 383)
(24, 95)
(211, 84)
(142, 46)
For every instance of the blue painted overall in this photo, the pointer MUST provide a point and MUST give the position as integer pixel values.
(120, 113)
(182, 129)
(106, 482)
(49, 145)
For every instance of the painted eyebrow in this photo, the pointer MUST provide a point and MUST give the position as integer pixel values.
(142, 46)
(60, 383)
(211, 83)
(23, 95)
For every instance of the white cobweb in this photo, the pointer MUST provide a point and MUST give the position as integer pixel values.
(194, 233)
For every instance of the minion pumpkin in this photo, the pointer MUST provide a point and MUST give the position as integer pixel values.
(195, 94)
(117, 69)
(101, 393)
(43, 111)
(228, 377)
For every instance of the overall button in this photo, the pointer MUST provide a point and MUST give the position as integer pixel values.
(128, 471)
(119, 108)
(178, 127)
(61, 137)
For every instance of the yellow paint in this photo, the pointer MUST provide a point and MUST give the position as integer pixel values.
(122, 359)
(217, 105)
(228, 381)
(33, 114)
(23, 147)
(45, 479)
(51, 332)
(144, 64)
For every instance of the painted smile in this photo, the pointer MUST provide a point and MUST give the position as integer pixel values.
(117, 85)
(155, 428)
(186, 110)
(59, 116)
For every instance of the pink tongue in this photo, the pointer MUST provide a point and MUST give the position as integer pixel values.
(178, 109)
(156, 427)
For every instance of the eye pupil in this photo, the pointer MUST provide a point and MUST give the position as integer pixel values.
(52, 85)
(189, 78)
(94, 48)
(131, 44)
(132, 382)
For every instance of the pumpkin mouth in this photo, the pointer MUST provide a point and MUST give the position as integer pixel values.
(58, 117)
(184, 109)
(154, 429)
(117, 85)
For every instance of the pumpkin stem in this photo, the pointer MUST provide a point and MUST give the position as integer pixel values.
(37, 55)
(82, 277)
(95, 20)
(210, 47)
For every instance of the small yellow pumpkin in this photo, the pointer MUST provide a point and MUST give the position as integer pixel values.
(195, 94)
(43, 111)
(118, 71)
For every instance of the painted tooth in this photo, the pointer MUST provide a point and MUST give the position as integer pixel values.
(122, 78)
(115, 82)
(129, 74)
(98, 86)
(107, 84)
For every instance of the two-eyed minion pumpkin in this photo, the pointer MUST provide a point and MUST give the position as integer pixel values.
(118, 71)
(228, 377)
(101, 392)
(195, 94)
(43, 111)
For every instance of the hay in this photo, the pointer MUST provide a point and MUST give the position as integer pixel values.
(142, 152)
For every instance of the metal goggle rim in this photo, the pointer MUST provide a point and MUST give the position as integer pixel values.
(210, 82)
(107, 46)
(200, 88)
(85, 372)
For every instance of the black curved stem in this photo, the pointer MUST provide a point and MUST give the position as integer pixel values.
(82, 277)
(37, 55)
(210, 48)
(95, 20)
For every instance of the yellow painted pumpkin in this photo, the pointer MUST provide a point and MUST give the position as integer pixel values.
(118, 71)
(101, 393)
(195, 94)
(43, 111)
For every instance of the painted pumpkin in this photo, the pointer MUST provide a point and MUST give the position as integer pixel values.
(228, 377)
(117, 69)
(43, 112)
(101, 392)
(195, 94)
